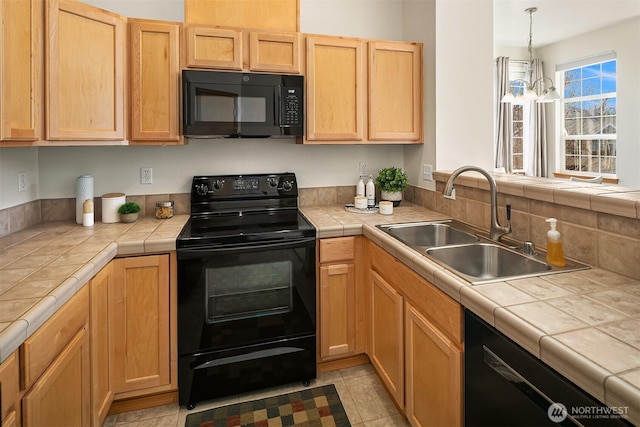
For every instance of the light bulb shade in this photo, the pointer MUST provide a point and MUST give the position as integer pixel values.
(520, 100)
(550, 96)
(530, 95)
(508, 98)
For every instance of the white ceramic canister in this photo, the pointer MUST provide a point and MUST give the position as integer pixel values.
(360, 202)
(110, 204)
(84, 191)
(386, 208)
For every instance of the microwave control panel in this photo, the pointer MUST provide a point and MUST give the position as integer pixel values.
(291, 107)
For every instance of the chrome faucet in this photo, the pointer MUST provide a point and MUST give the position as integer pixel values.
(497, 230)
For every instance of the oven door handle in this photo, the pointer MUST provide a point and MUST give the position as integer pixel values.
(199, 252)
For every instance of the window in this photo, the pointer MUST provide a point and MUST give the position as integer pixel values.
(588, 117)
(517, 71)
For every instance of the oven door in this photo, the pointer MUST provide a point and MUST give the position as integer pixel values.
(243, 296)
(246, 318)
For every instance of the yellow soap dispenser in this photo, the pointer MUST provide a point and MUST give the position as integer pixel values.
(555, 255)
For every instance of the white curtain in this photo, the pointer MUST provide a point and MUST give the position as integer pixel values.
(535, 129)
(503, 126)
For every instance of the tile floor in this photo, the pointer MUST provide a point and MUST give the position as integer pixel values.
(361, 392)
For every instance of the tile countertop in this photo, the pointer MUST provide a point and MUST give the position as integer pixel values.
(42, 267)
(584, 324)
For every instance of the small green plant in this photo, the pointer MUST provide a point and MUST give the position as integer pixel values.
(392, 179)
(129, 207)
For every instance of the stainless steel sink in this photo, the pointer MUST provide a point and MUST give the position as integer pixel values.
(466, 252)
(428, 234)
(483, 262)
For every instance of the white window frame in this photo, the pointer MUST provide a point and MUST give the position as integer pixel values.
(518, 70)
(561, 138)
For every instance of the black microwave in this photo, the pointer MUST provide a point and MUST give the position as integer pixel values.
(241, 105)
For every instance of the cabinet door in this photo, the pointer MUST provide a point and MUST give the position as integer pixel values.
(61, 395)
(280, 15)
(395, 91)
(101, 393)
(10, 390)
(337, 310)
(209, 47)
(274, 52)
(85, 68)
(154, 79)
(433, 374)
(335, 89)
(386, 336)
(139, 323)
(20, 65)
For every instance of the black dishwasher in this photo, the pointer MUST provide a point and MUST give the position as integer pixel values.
(507, 386)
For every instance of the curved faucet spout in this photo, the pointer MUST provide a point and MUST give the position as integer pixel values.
(496, 230)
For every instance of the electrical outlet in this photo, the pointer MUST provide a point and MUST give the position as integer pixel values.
(22, 181)
(146, 175)
(362, 168)
(427, 172)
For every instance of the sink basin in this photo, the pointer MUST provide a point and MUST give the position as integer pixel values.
(427, 235)
(485, 262)
(465, 251)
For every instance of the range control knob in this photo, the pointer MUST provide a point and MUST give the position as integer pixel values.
(287, 185)
(202, 189)
(218, 184)
(273, 182)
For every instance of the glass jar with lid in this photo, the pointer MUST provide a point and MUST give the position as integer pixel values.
(164, 210)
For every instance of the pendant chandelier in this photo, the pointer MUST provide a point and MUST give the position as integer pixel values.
(530, 94)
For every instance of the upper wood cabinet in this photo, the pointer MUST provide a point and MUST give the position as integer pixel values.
(154, 52)
(238, 49)
(336, 83)
(395, 91)
(283, 15)
(209, 47)
(20, 71)
(340, 109)
(85, 73)
(274, 52)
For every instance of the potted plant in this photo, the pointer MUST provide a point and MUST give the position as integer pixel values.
(391, 182)
(129, 212)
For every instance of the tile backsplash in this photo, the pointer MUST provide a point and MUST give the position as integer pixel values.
(609, 240)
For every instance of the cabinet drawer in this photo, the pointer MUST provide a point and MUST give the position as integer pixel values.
(337, 249)
(39, 350)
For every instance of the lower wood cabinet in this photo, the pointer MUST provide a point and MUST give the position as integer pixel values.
(55, 368)
(341, 302)
(61, 395)
(101, 392)
(10, 391)
(415, 341)
(386, 349)
(139, 321)
(433, 370)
